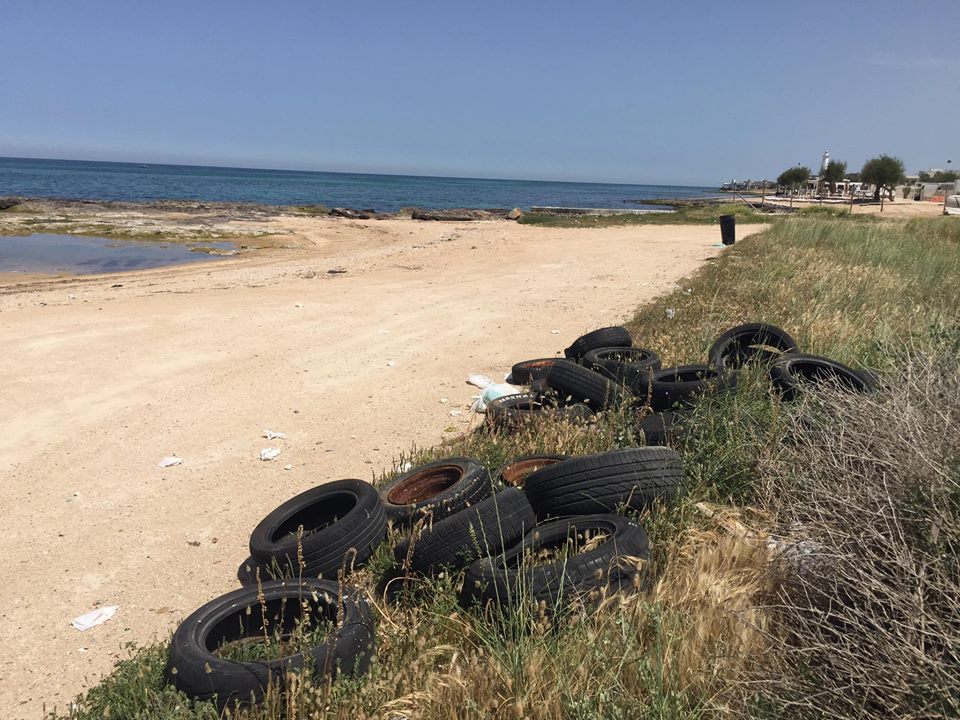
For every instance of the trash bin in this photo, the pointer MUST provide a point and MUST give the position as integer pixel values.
(728, 229)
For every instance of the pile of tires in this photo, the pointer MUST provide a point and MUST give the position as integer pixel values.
(554, 534)
(544, 530)
(297, 576)
(602, 370)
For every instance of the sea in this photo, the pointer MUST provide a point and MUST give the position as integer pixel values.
(88, 180)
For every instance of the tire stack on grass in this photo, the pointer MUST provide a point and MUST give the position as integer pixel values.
(500, 546)
(300, 554)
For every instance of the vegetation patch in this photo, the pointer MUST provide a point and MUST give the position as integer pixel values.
(682, 215)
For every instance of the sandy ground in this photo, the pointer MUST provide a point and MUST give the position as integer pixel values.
(104, 376)
(896, 209)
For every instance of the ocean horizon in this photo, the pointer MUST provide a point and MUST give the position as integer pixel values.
(144, 182)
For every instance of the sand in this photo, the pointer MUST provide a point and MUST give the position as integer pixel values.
(104, 376)
(897, 209)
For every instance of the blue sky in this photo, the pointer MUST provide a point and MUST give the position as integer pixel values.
(680, 92)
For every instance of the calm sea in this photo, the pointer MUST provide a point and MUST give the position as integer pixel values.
(384, 193)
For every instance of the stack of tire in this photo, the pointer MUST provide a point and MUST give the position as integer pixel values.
(550, 504)
(602, 370)
(454, 516)
(451, 515)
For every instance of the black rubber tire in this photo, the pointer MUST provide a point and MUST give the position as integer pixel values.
(602, 483)
(661, 429)
(683, 383)
(505, 579)
(513, 473)
(608, 337)
(512, 411)
(509, 411)
(343, 522)
(627, 366)
(435, 490)
(791, 373)
(738, 345)
(194, 668)
(485, 529)
(523, 373)
(581, 384)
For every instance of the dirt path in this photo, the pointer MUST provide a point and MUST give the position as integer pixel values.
(102, 377)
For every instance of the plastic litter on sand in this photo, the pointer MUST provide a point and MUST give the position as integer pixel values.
(271, 435)
(170, 461)
(269, 453)
(94, 618)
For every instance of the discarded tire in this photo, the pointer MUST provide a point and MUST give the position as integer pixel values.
(660, 428)
(527, 371)
(435, 490)
(196, 668)
(342, 523)
(632, 477)
(516, 471)
(512, 576)
(743, 343)
(511, 411)
(607, 337)
(484, 529)
(669, 386)
(791, 373)
(580, 384)
(628, 366)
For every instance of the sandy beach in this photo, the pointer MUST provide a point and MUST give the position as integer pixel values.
(106, 375)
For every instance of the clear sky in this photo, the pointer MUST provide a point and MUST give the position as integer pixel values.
(683, 92)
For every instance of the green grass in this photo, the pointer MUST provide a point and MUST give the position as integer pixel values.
(870, 294)
(684, 215)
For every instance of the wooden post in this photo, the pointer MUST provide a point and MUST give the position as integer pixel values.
(851, 201)
(763, 195)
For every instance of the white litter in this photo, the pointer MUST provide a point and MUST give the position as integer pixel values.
(391, 363)
(455, 413)
(94, 618)
(444, 401)
(298, 305)
(269, 453)
(383, 332)
(491, 393)
(288, 467)
(554, 332)
(670, 313)
(170, 461)
(481, 381)
(271, 435)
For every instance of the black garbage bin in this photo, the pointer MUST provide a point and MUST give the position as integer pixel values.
(728, 229)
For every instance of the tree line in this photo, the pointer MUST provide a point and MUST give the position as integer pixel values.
(884, 173)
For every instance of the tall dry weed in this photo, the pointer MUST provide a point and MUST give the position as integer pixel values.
(866, 607)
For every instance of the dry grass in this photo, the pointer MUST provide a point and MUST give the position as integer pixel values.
(867, 496)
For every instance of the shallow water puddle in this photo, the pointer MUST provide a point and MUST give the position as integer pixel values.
(82, 255)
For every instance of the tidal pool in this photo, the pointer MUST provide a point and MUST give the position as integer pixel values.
(81, 255)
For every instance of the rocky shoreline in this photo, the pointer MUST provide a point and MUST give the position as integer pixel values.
(191, 220)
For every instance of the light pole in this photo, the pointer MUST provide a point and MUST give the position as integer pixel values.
(945, 190)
